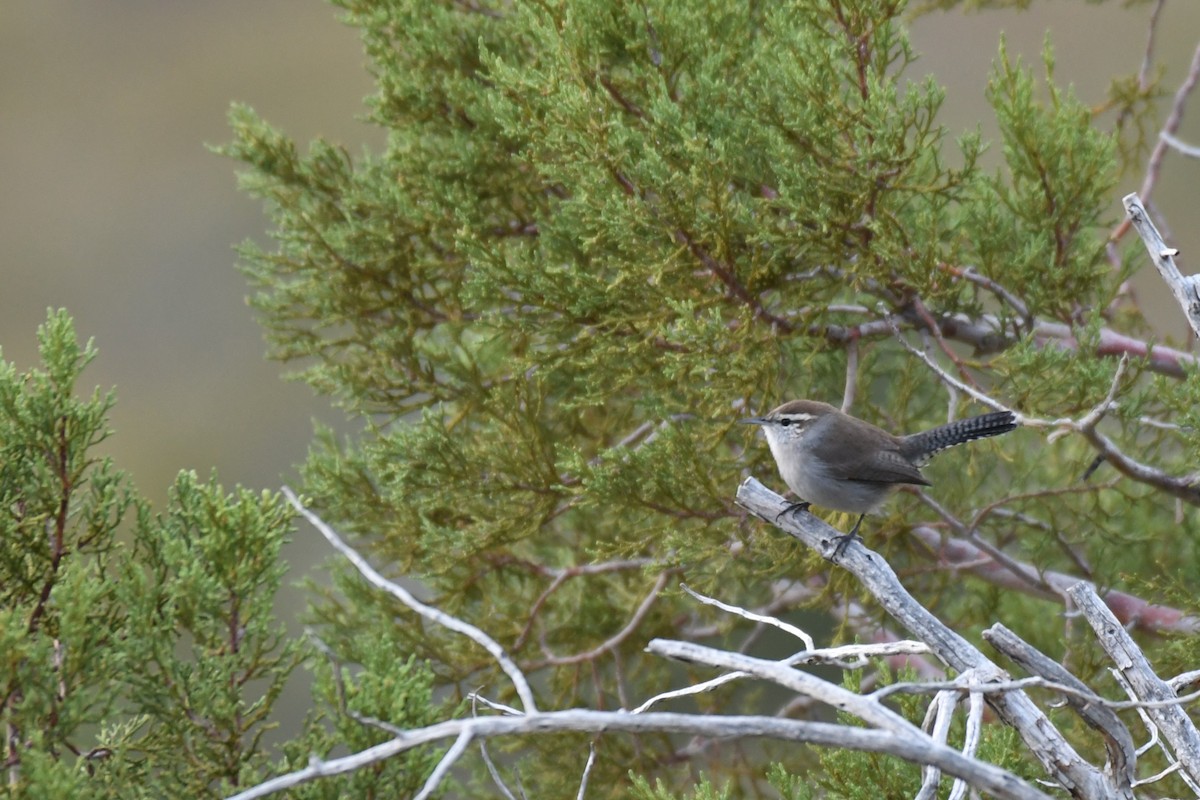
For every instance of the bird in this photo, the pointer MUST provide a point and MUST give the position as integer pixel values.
(838, 461)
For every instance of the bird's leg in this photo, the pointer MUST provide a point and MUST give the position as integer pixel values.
(792, 508)
(840, 543)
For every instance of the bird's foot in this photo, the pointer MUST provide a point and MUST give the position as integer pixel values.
(793, 508)
(840, 543)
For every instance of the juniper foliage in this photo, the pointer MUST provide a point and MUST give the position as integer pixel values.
(600, 233)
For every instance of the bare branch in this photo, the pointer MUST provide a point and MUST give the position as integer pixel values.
(335, 670)
(1155, 741)
(964, 683)
(439, 772)
(885, 644)
(953, 382)
(1184, 288)
(1171, 125)
(493, 705)
(428, 612)
(1184, 679)
(1056, 755)
(587, 771)
(867, 709)
(698, 688)
(1159, 358)
(986, 777)
(988, 334)
(475, 699)
(1181, 487)
(1117, 739)
(1180, 146)
(971, 276)
(753, 617)
(971, 738)
(836, 656)
(615, 640)
(942, 709)
(1176, 726)
(1148, 55)
(959, 553)
(562, 575)
(495, 773)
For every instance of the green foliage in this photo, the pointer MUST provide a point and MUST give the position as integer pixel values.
(211, 659)
(141, 654)
(60, 507)
(601, 232)
(353, 704)
(704, 790)
(1060, 176)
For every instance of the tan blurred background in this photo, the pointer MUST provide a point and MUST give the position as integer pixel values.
(111, 207)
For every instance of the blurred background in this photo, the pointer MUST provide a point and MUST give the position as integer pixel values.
(111, 207)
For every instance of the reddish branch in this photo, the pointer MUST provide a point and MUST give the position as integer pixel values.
(959, 554)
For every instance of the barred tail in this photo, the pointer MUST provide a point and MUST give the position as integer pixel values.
(920, 447)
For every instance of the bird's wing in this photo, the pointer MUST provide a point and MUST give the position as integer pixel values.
(884, 466)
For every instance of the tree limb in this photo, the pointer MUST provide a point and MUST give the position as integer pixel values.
(987, 777)
(1057, 756)
(1184, 288)
(1176, 726)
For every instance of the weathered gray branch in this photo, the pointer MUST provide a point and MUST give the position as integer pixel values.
(867, 709)
(1176, 726)
(1118, 741)
(1060, 760)
(1183, 287)
(989, 778)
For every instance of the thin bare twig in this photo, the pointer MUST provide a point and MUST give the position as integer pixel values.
(1180, 146)
(439, 772)
(972, 735)
(1148, 53)
(971, 276)
(335, 671)
(1170, 126)
(851, 376)
(429, 612)
(753, 617)
(587, 771)
(494, 773)
(1182, 487)
(953, 382)
(835, 656)
(942, 709)
(562, 575)
(616, 639)
(697, 688)
(475, 699)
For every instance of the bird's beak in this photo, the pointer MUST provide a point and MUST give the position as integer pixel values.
(753, 421)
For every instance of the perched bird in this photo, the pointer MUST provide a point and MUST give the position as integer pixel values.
(833, 460)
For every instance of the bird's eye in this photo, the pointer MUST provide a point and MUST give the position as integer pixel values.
(785, 422)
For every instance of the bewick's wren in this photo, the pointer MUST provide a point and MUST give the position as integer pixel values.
(838, 461)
